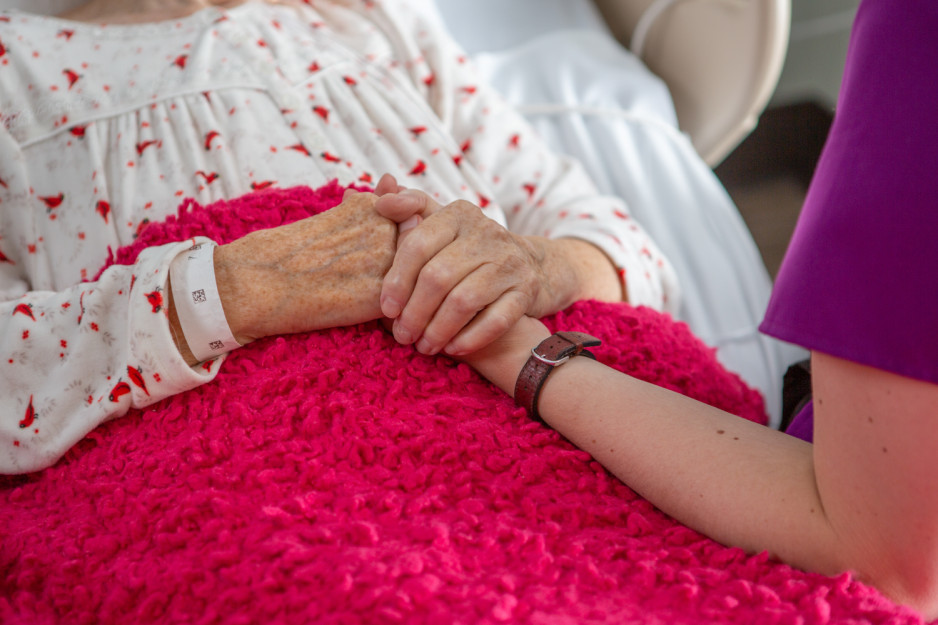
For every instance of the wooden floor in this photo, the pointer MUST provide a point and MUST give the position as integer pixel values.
(768, 174)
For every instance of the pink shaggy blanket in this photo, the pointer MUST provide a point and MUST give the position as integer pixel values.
(338, 477)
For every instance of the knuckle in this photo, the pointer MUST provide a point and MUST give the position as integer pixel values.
(502, 321)
(465, 210)
(435, 335)
(415, 246)
(393, 282)
(465, 206)
(465, 302)
(436, 276)
(364, 198)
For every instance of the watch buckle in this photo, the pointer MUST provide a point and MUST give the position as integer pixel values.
(548, 361)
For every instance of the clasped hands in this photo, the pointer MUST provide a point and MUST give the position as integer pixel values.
(449, 278)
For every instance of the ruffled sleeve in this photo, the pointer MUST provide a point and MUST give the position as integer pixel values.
(77, 357)
(541, 192)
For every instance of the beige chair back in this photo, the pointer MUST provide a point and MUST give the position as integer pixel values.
(721, 59)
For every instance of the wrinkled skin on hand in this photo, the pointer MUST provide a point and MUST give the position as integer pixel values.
(321, 272)
(459, 279)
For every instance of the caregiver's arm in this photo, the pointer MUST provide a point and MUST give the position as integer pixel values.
(862, 498)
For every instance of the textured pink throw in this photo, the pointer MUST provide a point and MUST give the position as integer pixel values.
(338, 477)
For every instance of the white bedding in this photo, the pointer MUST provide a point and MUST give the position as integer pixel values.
(590, 98)
(518, 21)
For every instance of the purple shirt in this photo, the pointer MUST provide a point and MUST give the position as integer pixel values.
(860, 279)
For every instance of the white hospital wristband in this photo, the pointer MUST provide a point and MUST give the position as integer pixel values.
(198, 305)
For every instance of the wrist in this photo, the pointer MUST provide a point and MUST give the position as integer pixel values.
(502, 361)
(502, 369)
(233, 293)
(574, 270)
(550, 354)
(596, 275)
(175, 328)
(197, 308)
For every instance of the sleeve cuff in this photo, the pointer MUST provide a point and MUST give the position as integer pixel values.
(648, 276)
(151, 339)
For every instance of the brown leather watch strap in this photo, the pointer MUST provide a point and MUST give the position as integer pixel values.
(547, 356)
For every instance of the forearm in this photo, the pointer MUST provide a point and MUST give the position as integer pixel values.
(860, 499)
(740, 483)
(321, 272)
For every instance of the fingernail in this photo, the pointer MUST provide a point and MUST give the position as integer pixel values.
(412, 196)
(424, 347)
(403, 335)
(408, 224)
(454, 350)
(390, 307)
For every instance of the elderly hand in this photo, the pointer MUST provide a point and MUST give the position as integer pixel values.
(320, 272)
(459, 280)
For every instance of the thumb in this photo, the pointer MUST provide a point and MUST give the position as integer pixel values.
(387, 184)
(401, 206)
(408, 224)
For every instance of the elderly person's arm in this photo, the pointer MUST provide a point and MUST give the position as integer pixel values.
(74, 353)
(564, 240)
(76, 356)
(322, 272)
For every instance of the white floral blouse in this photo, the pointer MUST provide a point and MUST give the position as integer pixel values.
(108, 127)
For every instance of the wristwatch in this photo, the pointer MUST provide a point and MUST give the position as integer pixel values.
(547, 356)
